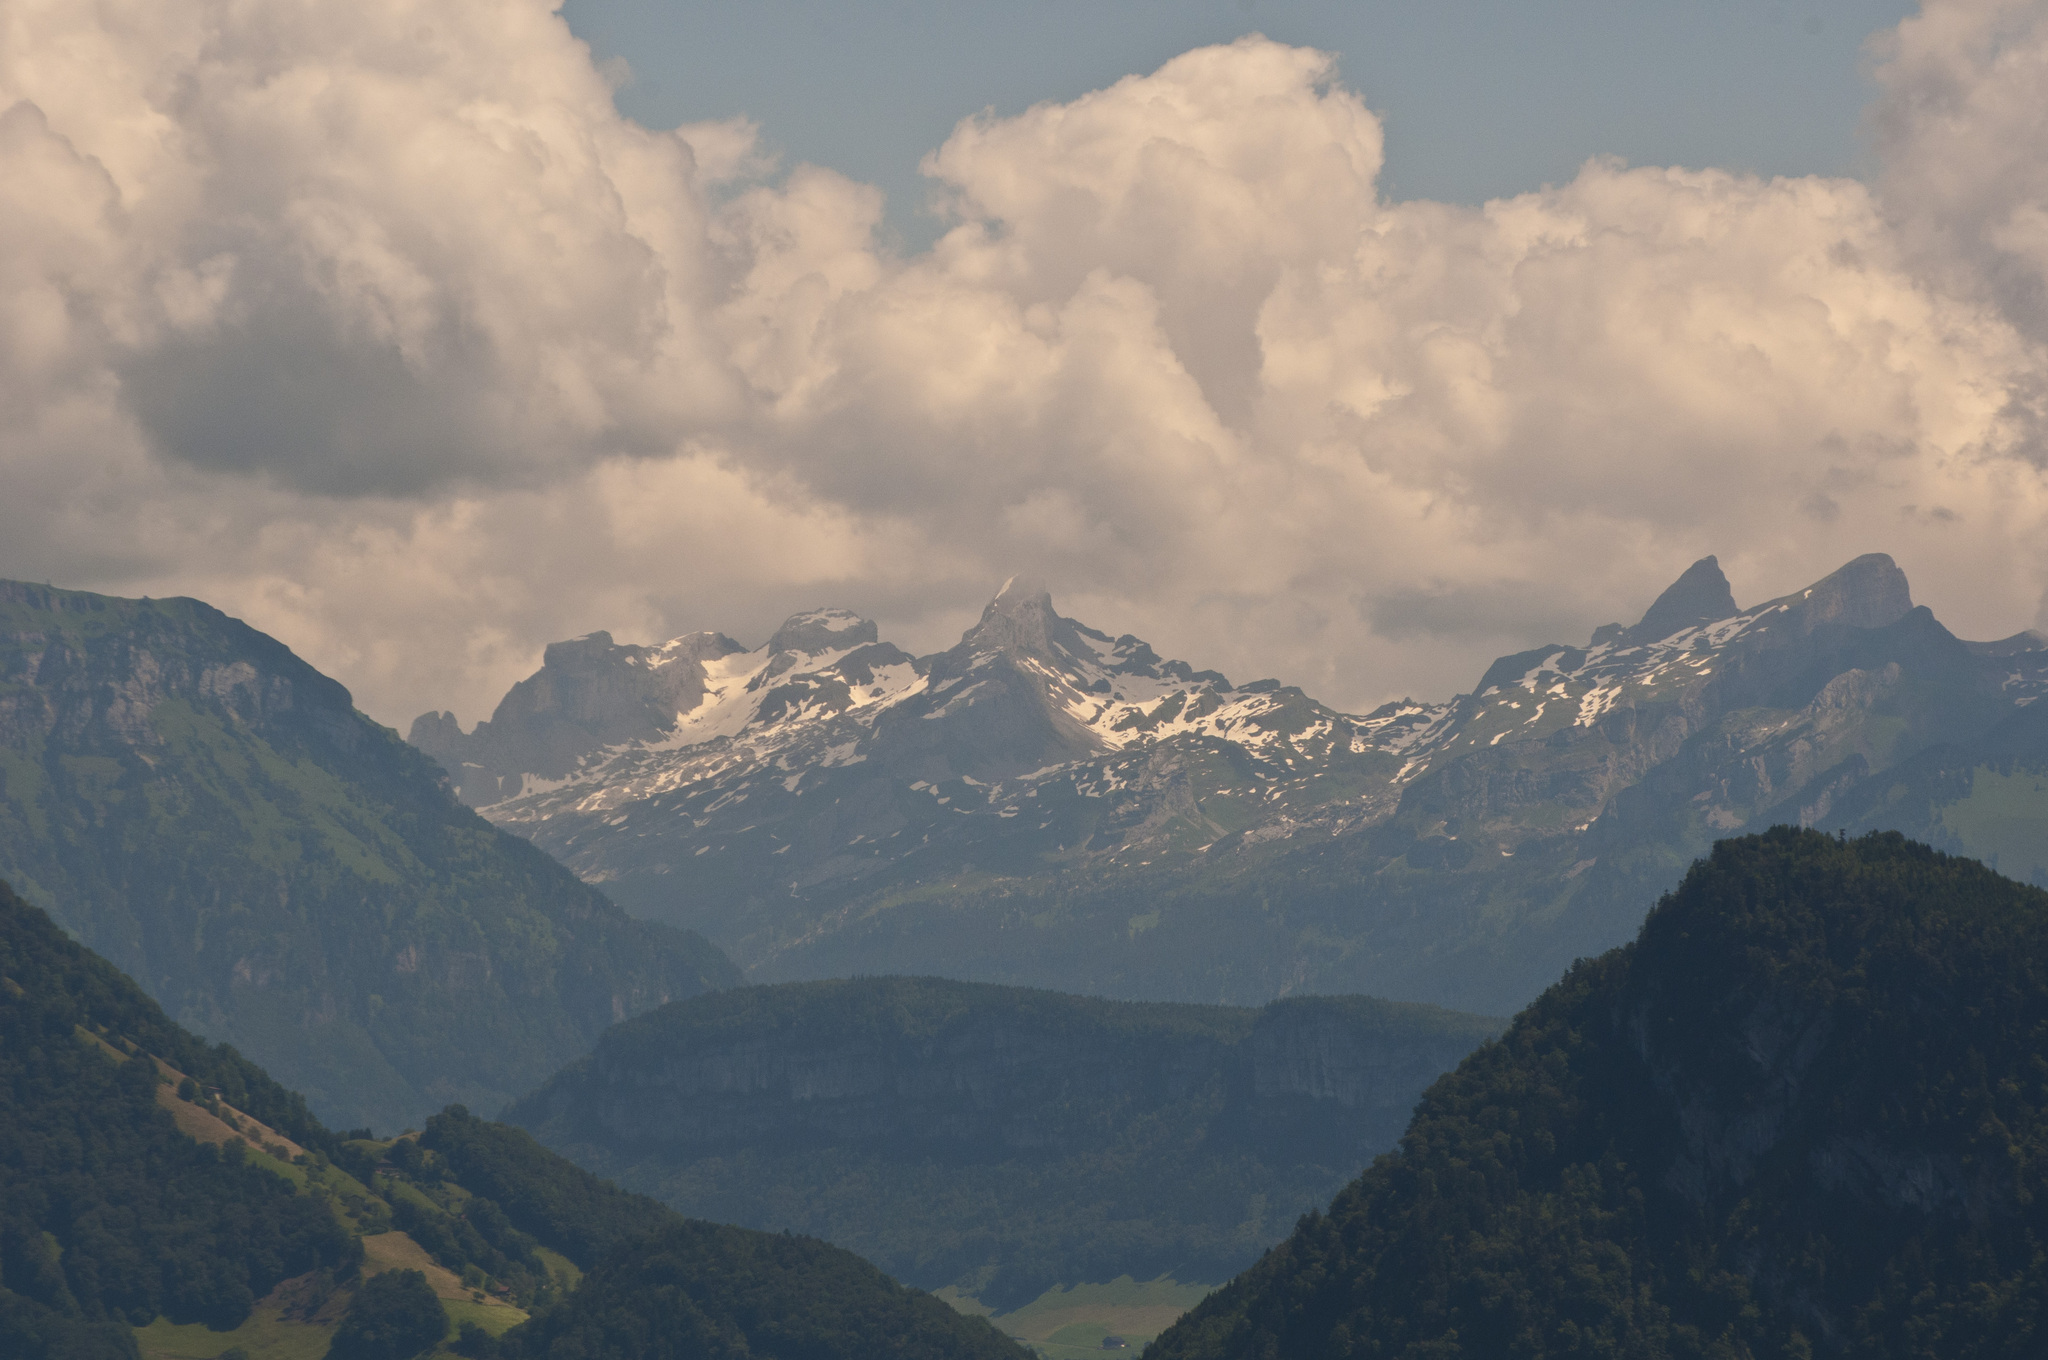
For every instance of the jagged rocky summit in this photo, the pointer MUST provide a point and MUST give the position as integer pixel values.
(1046, 804)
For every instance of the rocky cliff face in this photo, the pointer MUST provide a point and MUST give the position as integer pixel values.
(1046, 804)
(1341, 1053)
(213, 815)
(855, 1108)
(589, 693)
(91, 670)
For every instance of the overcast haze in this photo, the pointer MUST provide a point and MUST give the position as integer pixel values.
(379, 324)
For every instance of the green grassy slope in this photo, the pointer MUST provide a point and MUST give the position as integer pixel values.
(109, 1216)
(1069, 1322)
(1804, 1113)
(212, 814)
(1986, 798)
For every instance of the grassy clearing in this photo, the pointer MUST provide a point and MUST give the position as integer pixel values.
(494, 1317)
(1068, 1323)
(283, 1328)
(265, 1336)
(290, 1323)
(2003, 821)
(561, 1267)
(397, 1251)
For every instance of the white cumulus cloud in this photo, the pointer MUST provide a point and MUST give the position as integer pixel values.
(376, 323)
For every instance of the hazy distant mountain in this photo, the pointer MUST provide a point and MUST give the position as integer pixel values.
(212, 814)
(1984, 796)
(1794, 1118)
(998, 1139)
(1045, 804)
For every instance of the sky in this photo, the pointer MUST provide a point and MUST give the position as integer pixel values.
(1348, 344)
(1480, 98)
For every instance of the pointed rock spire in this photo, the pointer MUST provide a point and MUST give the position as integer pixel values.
(1699, 596)
(1019, 618)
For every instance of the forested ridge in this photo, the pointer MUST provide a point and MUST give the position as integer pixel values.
(688, 1288)
(112, 1218)
(1805, 1112)
(655, 1278)
(109, 1216)
(1000, 1140)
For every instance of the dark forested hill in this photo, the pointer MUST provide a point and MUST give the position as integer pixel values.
(156, 1189)
(109, 1216)
(1806, 1112)
(213, 815)
(661, 1285)
(999, 1139)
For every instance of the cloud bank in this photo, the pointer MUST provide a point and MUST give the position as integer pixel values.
(375, 324)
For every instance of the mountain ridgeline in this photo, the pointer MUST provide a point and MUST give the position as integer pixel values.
(1046, 805)
(212, 814)
(1804, 1113)
(159, 1190)
(996, 1139)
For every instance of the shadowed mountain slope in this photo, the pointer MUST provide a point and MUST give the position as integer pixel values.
(156, 1189)
(212, 814)
(996, 1139)
(109, 1216)
(1804, 1113)
(657, 1284)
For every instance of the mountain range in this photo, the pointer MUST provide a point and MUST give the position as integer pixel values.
(182, 792)
(1801, 1113)
(1044, 804)
(212, 814)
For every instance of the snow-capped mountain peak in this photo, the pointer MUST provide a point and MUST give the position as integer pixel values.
(1047, 804)
(818, 631)
(690, 647)
(829, 766)
(1691, 637)
(1027, 694)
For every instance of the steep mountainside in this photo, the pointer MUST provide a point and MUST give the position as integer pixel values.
(1804, 1113)
(657, 1285)
(109, 1216)
(212, 814)
(997, 1139)
(1985, 797)
(1044, 804)
(156, 1190)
